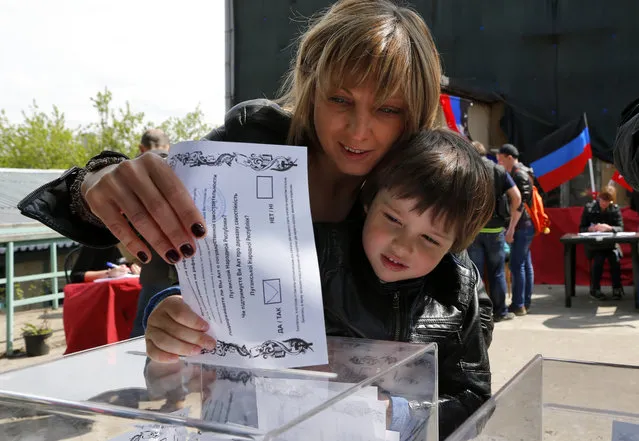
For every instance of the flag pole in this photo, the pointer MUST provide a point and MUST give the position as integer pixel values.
(592, 173)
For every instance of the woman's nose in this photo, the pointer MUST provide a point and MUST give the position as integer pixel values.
(359, 125)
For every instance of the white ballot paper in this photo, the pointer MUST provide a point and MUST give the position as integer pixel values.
(255, 277)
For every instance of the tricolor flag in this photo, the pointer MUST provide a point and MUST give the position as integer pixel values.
(562, 155)
(616, 177)
(456, 113)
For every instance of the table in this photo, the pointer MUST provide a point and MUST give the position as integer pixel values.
(115, 391)
(571, 241)
(560, 400)
(99, 313)
(547, 250)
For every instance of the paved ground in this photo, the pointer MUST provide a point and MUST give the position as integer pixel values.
(590, 330)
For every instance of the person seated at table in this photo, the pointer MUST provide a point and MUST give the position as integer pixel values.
(603, 215)
(92, 264)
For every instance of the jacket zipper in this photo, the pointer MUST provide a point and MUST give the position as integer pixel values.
(397, 315)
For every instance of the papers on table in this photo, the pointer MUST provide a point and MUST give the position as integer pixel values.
(606, 234)
(255, 277)
(110, 279)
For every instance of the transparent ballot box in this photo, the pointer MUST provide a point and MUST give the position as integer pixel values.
(553, 400)
(116, 393)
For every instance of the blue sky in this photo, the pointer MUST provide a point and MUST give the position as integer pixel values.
(163, 57)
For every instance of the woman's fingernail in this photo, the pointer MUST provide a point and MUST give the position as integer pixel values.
(211, 344)
(198, 230)
(172, 256)
(187, 250)
(196, 351)
(143, 257)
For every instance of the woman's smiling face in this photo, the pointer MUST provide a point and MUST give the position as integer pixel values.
(353, 131)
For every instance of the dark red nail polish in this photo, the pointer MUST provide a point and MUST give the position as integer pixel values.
(187, 250)
(143, 257)
(172, 256)
(198, 230)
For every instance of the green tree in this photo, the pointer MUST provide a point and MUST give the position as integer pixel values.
(189, 128)
(40, 141)
(118, 130)
(45, 141)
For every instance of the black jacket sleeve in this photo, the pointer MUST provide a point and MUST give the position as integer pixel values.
(627, 144)
(464, 373)
(522, 180)
(616, 219)
(586, 218)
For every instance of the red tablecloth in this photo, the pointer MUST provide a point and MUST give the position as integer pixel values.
(98, 313)
(548, 252)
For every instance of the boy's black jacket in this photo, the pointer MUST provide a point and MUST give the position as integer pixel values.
(449, 307)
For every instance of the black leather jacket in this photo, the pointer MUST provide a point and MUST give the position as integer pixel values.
(627, 145)
(449, 307)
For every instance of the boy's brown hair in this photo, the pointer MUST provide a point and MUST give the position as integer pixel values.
(442, 171)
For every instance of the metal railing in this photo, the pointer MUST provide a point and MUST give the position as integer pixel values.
(14, 237)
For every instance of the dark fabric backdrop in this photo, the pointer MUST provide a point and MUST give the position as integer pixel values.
(550, 60)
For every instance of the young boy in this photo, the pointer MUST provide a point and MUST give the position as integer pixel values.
(403, 275)
(400, 272)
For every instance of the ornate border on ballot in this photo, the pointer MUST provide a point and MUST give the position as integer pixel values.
(267, 349)
(257, 162)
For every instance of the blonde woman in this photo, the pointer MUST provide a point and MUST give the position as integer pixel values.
(366, 77)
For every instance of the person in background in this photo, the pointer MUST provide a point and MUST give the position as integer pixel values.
(520, 260)
(156, 274)
(94, 263)
(603, 215)
(488, 248)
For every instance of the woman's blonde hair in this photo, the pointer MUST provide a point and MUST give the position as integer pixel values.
(360, 41)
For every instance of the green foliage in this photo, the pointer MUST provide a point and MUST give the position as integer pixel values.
(31, 329)
(45, 141)
(43, 329)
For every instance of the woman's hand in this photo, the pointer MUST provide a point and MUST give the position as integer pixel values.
(153, 199)
(173, 329)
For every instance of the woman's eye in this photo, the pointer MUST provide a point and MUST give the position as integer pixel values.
(338, 100)
(391, 218)
(390, 110)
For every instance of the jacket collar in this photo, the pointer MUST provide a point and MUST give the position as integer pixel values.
(402, 286)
